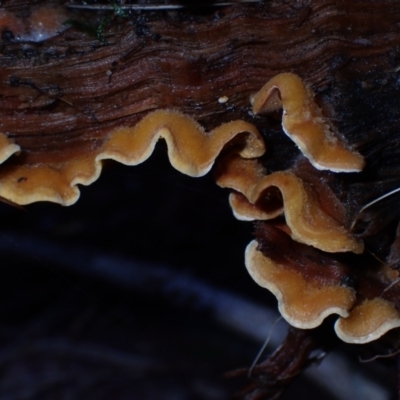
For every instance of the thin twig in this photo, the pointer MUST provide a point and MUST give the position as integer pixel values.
(372, 203)
(378, 356)
(263, 347)
(395, 282)
(377, 258)
(154, 7)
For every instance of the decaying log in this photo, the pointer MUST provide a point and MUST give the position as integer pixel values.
(61, 98)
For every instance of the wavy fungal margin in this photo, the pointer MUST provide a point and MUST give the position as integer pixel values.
(303, 122)
(255, 197)
(191, 151)
(302, 304)
(368, 321)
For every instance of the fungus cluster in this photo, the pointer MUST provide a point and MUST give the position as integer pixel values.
(301, 223)
(294, 258)
(191, 151)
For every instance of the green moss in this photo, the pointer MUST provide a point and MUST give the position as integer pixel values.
(98, 28)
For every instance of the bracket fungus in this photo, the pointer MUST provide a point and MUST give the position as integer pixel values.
(308, 222)
(303, 122)
(191, 151)
(302, 303)
(257, 195)
(286, 151)
(368, 321)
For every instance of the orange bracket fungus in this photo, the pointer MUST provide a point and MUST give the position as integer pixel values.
(368, 321)
(191, 151)
(303, 122)
(303, 304)
(257, 199)
(257, 195)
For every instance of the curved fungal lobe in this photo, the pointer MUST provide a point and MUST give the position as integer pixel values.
(259, 196)
(191, 150)
(303, 122)
(303, 303)
(368, 321)
(310, 285)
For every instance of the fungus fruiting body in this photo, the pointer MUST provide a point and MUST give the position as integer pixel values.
(368, 321)
(304, 215)
(303, 122)
(301, 303)
(257, 195)
(191, 151)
